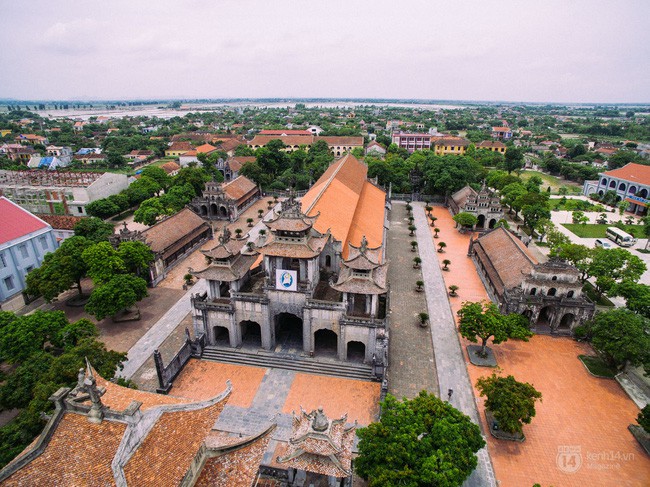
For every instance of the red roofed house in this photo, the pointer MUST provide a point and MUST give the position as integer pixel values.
(631, 183)
(178, 148)
(503, 133)
(24, 241)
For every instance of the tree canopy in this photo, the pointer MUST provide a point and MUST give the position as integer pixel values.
(511, 402)
(419, 442)
(94, 229)
(465, 219)
(117, 294)
(482, 320)
(614, 266)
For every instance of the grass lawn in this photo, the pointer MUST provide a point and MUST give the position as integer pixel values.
(162, 161)
(592, 294)
(552, 181)
(597, 367)
(573, 205)
(594, 230)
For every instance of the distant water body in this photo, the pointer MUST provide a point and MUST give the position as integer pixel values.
(161, 111)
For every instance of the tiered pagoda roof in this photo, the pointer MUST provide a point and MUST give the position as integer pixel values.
(229, 260)
(320, 445)
(293, 234)
(363, 272)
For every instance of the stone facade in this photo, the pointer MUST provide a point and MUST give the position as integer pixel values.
(302, 293)
(226, 201)
(484, 205)
(549, 294)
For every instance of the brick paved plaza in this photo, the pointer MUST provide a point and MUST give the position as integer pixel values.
(577, 409)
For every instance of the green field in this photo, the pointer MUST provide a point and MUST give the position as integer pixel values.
(593, 230)
(575, 204)
(597, 367)
(554, 182)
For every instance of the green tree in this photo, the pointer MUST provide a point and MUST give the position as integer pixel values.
(195, 176)
(514, 159)
(94, 229)
(465, 219)
(418, 442)
(511, 402)
(21, 336)
(644, 418)
(149, 211)
(103, 263)
(60, 269)
(577, 255)
(579, 218)
(535, 213)
(136, 256)
(636, 295)
(482, 320)
(511, 193)
(103, 208)
(614, 266)
(622, 336)
(157, 174)
(119, 293)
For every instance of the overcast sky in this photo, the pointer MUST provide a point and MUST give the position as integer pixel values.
(511, 50)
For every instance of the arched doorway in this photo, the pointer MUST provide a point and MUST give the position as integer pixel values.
(288, 332)
(356, 352)
(221, 336)
(566, 322)
(204, 210)
(251, 333)
(528, 314)
(325, 343)
(223, 212)
(214, 209)
(328, 261)
(481, 221)
(492, 223)
(543, 324)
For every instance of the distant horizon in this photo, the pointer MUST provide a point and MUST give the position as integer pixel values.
(371, 100)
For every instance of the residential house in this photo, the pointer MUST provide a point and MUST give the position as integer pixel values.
(59, 193)
(492, 145)
(374, 148)
(24, 241)
(178, 148)
(90, 158)
(450, 146)
(171, 168)
(411, 141)
(32, 139)
(501, 133)
(62, 225)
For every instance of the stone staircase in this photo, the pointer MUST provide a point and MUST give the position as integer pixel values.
(264, 358)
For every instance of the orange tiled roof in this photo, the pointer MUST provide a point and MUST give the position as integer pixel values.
(229, 145)
(205, 149)
(340, 140)
(170, 167)
(286, 132)
(292, 140)
(79, 453)
(491, 143)
(238, 188)
(349, 205)
(180, 146)
(637, 173)
(180, 432)
(237, 162)
(61, 222)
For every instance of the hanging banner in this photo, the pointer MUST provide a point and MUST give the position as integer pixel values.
(286, 280)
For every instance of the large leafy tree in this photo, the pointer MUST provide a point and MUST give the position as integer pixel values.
(637, 296)
(419, 442)
(577, 255)
(622, 336)
(60, 270)
(514, 159)
(41, 369)
(157, 174)
(149, 211)
(465, 219)
(136, 256)
(511, 402)
(103, 262)
(614, 266)
(119, 293)
(511, 193)
(103, 208)
(482, 320)
(94, 229)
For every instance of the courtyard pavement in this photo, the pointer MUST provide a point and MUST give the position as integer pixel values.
(450, 360)
(580, 417)
(411, 366)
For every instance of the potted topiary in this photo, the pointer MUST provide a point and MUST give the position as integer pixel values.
(249, 221)
(238, 232)
(416, 262)
(446, 263)
(452, 290)
(260, 213)
(428, 209)
(419, 285)
(412, 228)
(441, 247)
(433, 220)
(435, 232)
(414, 245)
(188, 279)
(424, 319)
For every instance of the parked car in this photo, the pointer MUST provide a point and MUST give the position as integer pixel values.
(601, 242)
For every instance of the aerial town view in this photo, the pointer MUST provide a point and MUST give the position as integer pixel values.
(325, 244)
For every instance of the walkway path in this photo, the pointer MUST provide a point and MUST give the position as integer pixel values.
(411, 364)
(142, 350)
(450, 361)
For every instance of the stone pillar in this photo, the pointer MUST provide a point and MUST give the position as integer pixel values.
(374, 305)
(268, 337)
(307, 332)
(235, 334)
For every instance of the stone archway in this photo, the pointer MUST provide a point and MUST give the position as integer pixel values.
(214, 209)
(288, 332)
(544, 318)
(480, 223)
(566, 322)
(492, 223)
(326, 343)
(223, 212)
(356, 352)
(221, 336)
(203, 210)
(251, 333)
